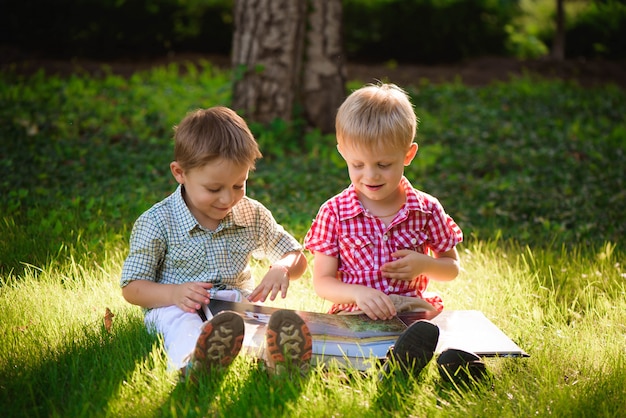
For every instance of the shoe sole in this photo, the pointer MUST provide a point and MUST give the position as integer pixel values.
(416, 346)
(220, 341)
(288, 342)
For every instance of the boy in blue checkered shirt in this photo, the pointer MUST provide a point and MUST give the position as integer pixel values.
(198, 241)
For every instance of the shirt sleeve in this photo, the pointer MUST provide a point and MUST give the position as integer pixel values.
(275, 240)
(443, 232)
(322, 236)
(147, 249)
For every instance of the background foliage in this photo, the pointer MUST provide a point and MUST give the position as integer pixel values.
(531, 169)
(530, 160)
(424, 31)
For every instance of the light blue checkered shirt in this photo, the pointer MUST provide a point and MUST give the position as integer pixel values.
(168, 245)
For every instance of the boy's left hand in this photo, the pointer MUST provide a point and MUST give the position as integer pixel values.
(274, 282)
(408, 266)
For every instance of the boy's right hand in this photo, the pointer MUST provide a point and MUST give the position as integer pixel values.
(190, 296)
(374, 303)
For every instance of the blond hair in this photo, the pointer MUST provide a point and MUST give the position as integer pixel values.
(377, 116)
(208, 134)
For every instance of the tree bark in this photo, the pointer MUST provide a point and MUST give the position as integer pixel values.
(558, 42)
(323, 87)
(287, 55)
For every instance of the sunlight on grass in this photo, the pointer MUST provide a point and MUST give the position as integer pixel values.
(525, 167)
(53, 331)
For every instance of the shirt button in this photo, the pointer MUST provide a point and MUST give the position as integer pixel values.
(390, 289)
(357, 241)
(414, 241)
(385, 237)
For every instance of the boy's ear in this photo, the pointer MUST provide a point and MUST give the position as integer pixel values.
(410, 154)
(177, 172)
(339, 150)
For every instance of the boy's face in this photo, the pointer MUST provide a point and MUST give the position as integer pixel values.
(213, 189)
(376, 174)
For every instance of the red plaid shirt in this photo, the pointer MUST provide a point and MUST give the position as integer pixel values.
(363, 243)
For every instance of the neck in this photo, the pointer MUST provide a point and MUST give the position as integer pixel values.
(385, 208)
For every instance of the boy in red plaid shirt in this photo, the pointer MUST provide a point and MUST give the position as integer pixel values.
(377, 244)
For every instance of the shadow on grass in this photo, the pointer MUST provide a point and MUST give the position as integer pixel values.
(396, 391)
(393, 391)
(80, 379)
(245, 390)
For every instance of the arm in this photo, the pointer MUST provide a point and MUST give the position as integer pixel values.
(148, 248)
(372, 302)
(276, 280)
(410, 264)
(148, 294)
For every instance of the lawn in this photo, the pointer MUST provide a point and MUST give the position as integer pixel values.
(532, 170)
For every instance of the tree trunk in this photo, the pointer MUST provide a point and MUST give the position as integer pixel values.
(324, 69)
(558, 43)
(286, 56)
(268, 41)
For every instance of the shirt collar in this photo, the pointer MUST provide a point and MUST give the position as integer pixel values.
(187, 222)
(415, 200)
(350, 206)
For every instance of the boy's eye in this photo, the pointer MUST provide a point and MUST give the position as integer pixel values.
(383, 165)
(238, 187)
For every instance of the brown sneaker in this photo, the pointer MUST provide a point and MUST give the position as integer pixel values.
(289, 343)
(219, 342)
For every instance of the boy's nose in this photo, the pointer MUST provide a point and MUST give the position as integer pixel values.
(226, 197)
(371, 173)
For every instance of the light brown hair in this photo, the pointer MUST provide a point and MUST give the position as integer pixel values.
(217, 132)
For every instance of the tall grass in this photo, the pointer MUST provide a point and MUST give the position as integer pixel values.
(530, 169)
(566, 308)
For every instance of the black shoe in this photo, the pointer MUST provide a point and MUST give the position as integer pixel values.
(460, 366)
(415, 347)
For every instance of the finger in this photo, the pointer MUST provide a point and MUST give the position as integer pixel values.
(199, 296)
(381, 313)
(370, 313)
(279, 289)
(253, 295)
(205, 285)
(196, 305)
(190, 306)
(392, 266)
(386, 309)
(259, 295)
(400, 253)
(372, 310)
(275, 290)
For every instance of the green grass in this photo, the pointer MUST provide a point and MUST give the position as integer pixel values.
(531, 169)
(566, 309)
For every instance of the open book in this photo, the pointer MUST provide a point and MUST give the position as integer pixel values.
(357, 340)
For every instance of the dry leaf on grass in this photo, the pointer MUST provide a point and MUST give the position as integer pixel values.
(108, 319)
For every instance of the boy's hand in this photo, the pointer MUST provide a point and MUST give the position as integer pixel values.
(190, 296)
(408, 266)
(374, 303)
(275, 281)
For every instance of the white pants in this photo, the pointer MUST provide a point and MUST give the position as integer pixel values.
(180, 331)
